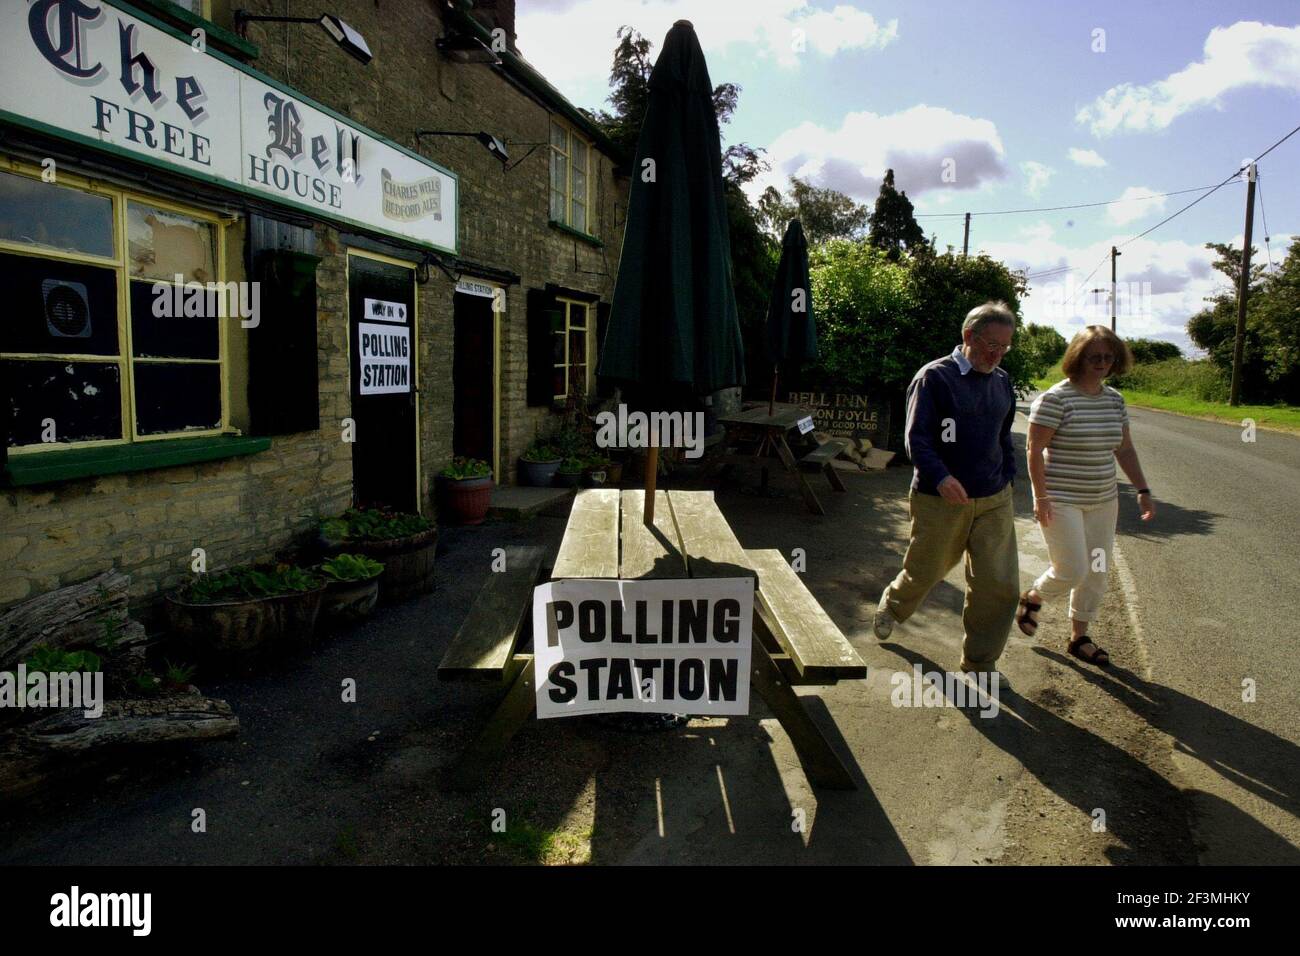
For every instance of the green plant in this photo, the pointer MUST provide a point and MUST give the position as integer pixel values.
(351, 567)
(541, 451)
(572, 466)
(242, 582)
(146, 685)
(597, 462)
(372, 524)
(462, 467)
(51, 660)
(114, 629)
(178, 676)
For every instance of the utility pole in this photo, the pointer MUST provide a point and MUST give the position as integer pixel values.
(1095, 291)
(1113, 253)
(1234, 392)
(965, 241)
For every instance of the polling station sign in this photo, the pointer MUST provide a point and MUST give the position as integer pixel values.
(385, 358)
(665, 647)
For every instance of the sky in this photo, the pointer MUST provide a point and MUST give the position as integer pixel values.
(984, 107)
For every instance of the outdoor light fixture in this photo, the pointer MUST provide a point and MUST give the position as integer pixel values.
(466, 49)
(352, 42)
(494, 145)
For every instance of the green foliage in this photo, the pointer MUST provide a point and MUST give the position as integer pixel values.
(50, 660)
(541, 451)
(825, 214)
(243, 582)
(351, 567)
(462, 467)
(144, 685)
(572, 466)
(1146, 351)
(178, 676)
(372, 524)
(1040, 347)
(1201, 380)
(893, 222)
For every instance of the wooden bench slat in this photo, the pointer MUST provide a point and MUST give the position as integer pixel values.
(483, 647)
(590, 545)
(825, 451)
(805, 631)
(709, 544)
(646, 553)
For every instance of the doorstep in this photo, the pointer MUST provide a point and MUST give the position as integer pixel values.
(516, 503)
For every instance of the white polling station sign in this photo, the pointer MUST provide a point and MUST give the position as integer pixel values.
(666, 647)
(385, 358)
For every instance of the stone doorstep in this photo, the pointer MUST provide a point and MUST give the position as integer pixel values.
(516, 503)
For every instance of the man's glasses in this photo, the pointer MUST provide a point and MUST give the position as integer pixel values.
(992, 346)
(1101, 358)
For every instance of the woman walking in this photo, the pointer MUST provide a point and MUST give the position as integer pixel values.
(1078, 429)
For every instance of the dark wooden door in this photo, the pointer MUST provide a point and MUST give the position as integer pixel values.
(474, 375)
(381, 326)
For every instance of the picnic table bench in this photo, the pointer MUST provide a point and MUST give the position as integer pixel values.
(794, 641)
(769, 431)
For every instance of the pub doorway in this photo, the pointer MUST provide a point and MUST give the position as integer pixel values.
(474, 374)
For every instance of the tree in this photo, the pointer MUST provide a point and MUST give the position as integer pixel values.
(1146, 351)
(1041, 346)
(1214, 329)
(892, 223)
(825, 213)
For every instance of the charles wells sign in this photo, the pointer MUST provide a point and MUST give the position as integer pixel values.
(122, 82)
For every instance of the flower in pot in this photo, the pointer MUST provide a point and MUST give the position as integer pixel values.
(538, 464)
(570, 473)
(244, 614)
(351, 587)
(405, 543)
(467, 489)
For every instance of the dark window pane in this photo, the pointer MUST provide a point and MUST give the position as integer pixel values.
(577, 346)
(61, 307)
(557, 382)
(37, 213)
(557, 348)
(175, 398)
(83, 400)
(172, 337)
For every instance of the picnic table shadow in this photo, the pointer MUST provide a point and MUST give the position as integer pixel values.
(1079, 766)
(1249, 756)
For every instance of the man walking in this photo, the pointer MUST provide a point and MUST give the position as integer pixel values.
(959, 414)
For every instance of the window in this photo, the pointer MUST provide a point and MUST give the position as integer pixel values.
(570, 189)
(107, 337)
(570, 347)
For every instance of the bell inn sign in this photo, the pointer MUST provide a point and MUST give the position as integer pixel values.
(115, 79)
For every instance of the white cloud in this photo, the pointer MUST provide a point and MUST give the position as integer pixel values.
(1246, 54)
(919, 144)
(1086, 157)
(573, 44)
(1037, 175)
(1132, 205)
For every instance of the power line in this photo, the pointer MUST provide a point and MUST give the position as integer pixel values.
(1084, 205)
(1259, 186)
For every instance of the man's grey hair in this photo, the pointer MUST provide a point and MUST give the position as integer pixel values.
(982, 315)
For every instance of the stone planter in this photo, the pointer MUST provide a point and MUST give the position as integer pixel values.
(467, 499)
(347, 602)
(408, 563)
(243, 633)
(538, 474)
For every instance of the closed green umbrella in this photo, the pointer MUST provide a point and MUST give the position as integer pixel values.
(673, 327)
(791, 330)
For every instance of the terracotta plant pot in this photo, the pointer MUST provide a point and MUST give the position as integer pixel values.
(237, 634)
(538, 474)
(347, 602)
(408, 563)
(467, 499)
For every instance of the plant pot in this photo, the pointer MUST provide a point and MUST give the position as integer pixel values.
(238, 634)
(408, 563)
(467, 499)
(614, 473)
(568, 479)
(538, 474)
(347, 602)
(596, 478)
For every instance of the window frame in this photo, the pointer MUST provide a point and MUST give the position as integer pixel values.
(125, 359)
(568, 305)
(571, 134)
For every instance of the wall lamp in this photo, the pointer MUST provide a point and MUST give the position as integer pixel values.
(494, 145)
(466, 49)
(352, 42)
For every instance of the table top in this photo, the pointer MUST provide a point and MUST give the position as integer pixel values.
(783, 416)
(607, 537)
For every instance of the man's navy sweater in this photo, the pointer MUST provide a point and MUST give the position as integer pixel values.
(981, 406)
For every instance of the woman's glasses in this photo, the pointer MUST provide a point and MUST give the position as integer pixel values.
(1101, 358)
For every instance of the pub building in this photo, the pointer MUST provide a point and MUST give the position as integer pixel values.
(255, 270)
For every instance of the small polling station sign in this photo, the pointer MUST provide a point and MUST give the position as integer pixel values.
(665, 647)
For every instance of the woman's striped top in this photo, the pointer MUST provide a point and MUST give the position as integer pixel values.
(1080, 457)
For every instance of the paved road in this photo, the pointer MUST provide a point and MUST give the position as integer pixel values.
(1217, 604)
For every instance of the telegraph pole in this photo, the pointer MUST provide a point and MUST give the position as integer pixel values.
(965, 240)
(1113, 253)
(1234, 392)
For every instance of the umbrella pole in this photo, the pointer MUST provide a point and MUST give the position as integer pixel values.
(651, 473)
(771, 405)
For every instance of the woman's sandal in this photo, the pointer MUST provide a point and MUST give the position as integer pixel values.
(1028, 619)
(1098, 656)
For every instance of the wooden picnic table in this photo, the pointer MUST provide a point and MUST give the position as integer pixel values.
(768, 433)
(794, 640)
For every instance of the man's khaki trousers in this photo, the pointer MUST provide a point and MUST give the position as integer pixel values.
(984, 531)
